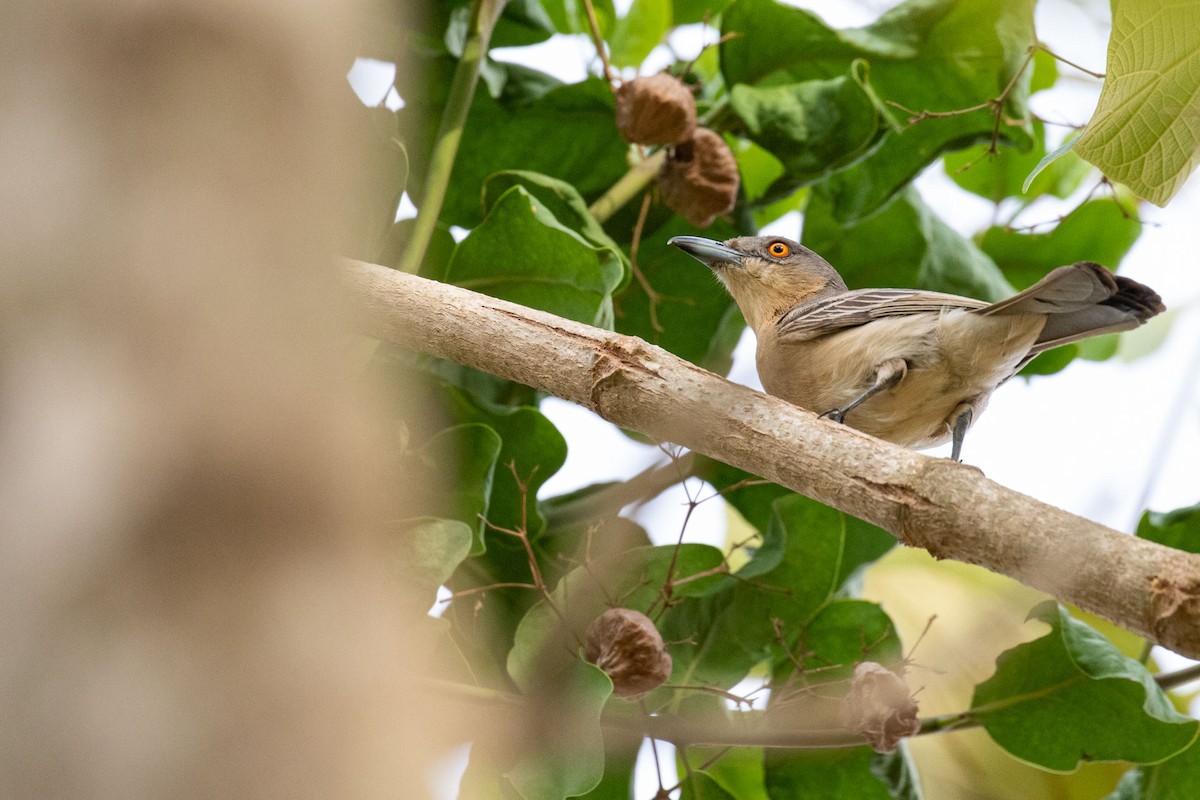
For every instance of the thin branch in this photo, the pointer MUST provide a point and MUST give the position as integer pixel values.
(630, 185)
(1057, 57)
(947, 508)
(484, 14)
(1172, 680)
(598, 41)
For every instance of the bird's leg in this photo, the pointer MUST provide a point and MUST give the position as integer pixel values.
(887, 375)
(961, 417)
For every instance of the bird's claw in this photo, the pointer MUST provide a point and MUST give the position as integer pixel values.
(835, 414)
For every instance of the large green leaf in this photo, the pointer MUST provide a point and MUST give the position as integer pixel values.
(702, 786)
(641, 30)
(823, 775)
(1002, 174)
(698, 319)
(1179, 528)
(737, 771)
(570, 16)
(814, 127)
(905, 245)
(428, 550)
(688, 11)
(567, 758)
(464, 457)
(936, 55)
(1095, 231)
(1177, 778)
(522, 253)
(1145, 132)
(1071, 696)
(566, 206)
(537, 124)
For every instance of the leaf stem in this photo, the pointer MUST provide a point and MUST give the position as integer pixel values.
(1171, 680)
(628, 187)
(484, 14)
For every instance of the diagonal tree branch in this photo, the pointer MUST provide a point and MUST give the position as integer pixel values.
(949, 509)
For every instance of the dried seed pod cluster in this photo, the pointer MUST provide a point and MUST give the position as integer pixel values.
(657, 109)
(626, 645)
(879, 707)
(699, 179)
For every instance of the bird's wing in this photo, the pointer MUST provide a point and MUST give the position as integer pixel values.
(851, 309)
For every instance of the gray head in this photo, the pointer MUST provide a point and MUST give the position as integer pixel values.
(767, 275)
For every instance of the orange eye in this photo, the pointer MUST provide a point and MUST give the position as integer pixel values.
(778, 249)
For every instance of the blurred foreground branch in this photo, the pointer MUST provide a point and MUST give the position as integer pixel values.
(949, 509)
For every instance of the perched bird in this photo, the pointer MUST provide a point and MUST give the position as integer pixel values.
(909, 366)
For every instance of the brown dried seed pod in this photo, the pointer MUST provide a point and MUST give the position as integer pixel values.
(656, 109)
(699, 179)
(879, 707)
(626, 645)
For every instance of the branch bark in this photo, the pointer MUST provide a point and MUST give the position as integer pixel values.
(947, 508)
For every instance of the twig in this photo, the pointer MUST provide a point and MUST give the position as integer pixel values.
(598, 41)
(1171, 680)
(629, 186)
(1057, 57)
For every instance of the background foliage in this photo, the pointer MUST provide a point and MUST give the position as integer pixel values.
(837, 124)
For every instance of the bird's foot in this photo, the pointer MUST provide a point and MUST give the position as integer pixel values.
(835, 414)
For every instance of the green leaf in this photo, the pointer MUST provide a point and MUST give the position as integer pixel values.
(689, 11)
(1179, 528)
(567, 758)
(699, 320)
(565, 204)
(898, 772)
(1144, 132)
(464, 458)
(701, 786)
(569, 16)
(523, 254)
(823, 775)
(905, 245)
(1000, 175)
(1071, 696)
(634, 579)
(428, 550)
(862, 542)
(1177, 778)
(814, 127)
(937, 55)
(537, 125)
(738, 771)
(1096, 231)
(638, 32)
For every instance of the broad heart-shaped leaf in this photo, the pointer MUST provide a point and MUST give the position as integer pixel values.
(1145, 132)
(428, 550)
(699, 320)
(689, 11)
(538, 124)
(565, 759)
(1179, 528)
(1096, 231)
(905, 245)
(632, 580)
(464, 457)
(701, 786)
(737, 771)
(1177, 778)
(641, 30)
(521, 253)
(936, 55)
(756, 501)
(814, 127)
(823, 775)
(567, 207)
(1002, 174)
(569, 16)
(1071, 696)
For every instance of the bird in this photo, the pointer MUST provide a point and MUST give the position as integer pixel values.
(909, 366)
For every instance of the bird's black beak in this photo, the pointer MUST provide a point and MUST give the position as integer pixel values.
(708, 252)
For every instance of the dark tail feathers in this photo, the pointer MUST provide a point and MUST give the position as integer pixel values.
(1080, 301)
